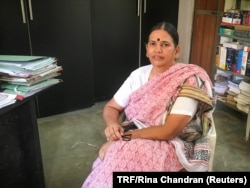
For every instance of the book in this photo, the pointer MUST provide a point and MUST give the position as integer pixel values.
(234, 45)
(245, 20)
(230, 60)
(242, 27)
(247, 72)
(244, 62)
(223, 54)
(247, 48)
(218, 54)
(238, 60)
(235, 82)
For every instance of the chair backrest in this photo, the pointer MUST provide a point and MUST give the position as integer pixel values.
(212, 143)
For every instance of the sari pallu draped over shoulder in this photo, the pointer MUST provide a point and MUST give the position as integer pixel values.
(149, 103)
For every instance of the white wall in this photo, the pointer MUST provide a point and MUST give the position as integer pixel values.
(245, 5)
(184, 27)
(231, 4)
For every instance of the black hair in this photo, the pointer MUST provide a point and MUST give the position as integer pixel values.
(169, 28)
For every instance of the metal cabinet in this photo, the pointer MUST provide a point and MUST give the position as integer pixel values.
(57, 28)
(120, 29)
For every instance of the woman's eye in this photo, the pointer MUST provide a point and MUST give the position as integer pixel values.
(151, 44)
(165, 44)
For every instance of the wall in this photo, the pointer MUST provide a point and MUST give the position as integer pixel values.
(245, 5)
(185, 24)
(231, 4)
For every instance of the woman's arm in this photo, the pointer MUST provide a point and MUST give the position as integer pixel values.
(111, 114)
(173, 126)
(182, 112)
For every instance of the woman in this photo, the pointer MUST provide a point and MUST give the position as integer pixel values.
(167, 101)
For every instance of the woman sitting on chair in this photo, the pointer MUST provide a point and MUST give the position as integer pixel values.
(171, 104)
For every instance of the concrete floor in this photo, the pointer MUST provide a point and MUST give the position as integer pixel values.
(70, 144)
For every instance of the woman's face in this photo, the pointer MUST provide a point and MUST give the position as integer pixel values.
(160, 49)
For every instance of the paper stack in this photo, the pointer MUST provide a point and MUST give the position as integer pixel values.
(221, 84)
(24, 76)
(243, 99)
(233, 91)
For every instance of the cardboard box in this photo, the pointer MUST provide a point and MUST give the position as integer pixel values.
(232, 17)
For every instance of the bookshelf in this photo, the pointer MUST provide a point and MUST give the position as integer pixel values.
(231, 25)
(235, 37)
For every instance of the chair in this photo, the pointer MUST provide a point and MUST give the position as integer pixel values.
(212, 143)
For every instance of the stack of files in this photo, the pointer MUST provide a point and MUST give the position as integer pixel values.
(22, 91)
(24, 76)
(33, 79)
(30, 68)
(6, 99)
(221, 87)
(233, 86)
(233, 91)
(245, 86)
(243, 99)
(221, 82)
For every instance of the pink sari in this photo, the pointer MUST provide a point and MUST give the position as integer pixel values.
(148, 105)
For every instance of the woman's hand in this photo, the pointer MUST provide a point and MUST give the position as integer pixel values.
(113, 132)
(104, 149)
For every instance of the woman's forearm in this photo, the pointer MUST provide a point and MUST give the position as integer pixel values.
(110, 115)
(173, 126)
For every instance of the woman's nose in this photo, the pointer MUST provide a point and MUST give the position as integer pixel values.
(158, 48)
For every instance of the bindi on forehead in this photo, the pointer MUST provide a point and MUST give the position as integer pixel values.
(158, 39)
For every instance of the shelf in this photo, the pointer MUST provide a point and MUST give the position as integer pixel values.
(233, 73)
(245, 40)
(235, 37)
(231, 106)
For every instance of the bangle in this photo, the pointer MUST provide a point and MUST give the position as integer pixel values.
(126, 137)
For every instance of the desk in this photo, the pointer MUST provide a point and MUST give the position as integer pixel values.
(20, 152)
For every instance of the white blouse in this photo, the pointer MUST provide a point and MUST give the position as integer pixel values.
(182, 105)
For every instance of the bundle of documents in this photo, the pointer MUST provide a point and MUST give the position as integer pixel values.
(243, 99)
(27, 70)
(23, 91)
(24, 76)
(221, 82)
(33, 79)
(233, 86)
